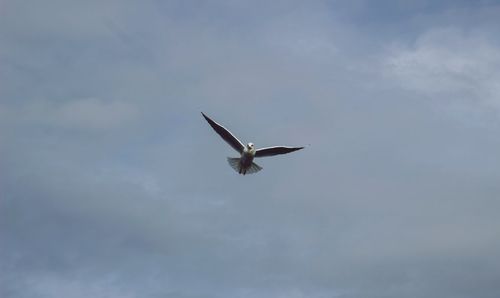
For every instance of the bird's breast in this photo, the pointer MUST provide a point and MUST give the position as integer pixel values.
(246, 158)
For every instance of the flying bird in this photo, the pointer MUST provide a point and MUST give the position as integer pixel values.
(244, 164)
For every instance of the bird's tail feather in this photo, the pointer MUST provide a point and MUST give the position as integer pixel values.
(234, 162)
(254, 168)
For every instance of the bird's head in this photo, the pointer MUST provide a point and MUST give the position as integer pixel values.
(250, 145)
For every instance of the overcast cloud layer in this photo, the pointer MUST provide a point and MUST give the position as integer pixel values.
(113, 185)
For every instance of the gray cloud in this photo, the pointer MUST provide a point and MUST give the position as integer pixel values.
(112, 185)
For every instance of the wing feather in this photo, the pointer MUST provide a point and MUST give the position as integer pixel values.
(270, 151)
(225, 134)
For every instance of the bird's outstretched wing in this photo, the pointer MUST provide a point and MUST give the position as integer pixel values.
(225, 134)
(270, 151)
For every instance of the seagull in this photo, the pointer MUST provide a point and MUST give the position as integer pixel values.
(244, 164)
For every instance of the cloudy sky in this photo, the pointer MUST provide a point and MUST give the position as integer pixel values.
(113, 185)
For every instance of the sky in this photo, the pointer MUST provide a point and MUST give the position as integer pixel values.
(113, 185)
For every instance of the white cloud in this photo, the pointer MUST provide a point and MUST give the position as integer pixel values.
(448, 63)
(84, 114)
(94, 113)
(60, 19)
(51, 285)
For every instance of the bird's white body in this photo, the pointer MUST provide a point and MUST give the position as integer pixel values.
(246, 159)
